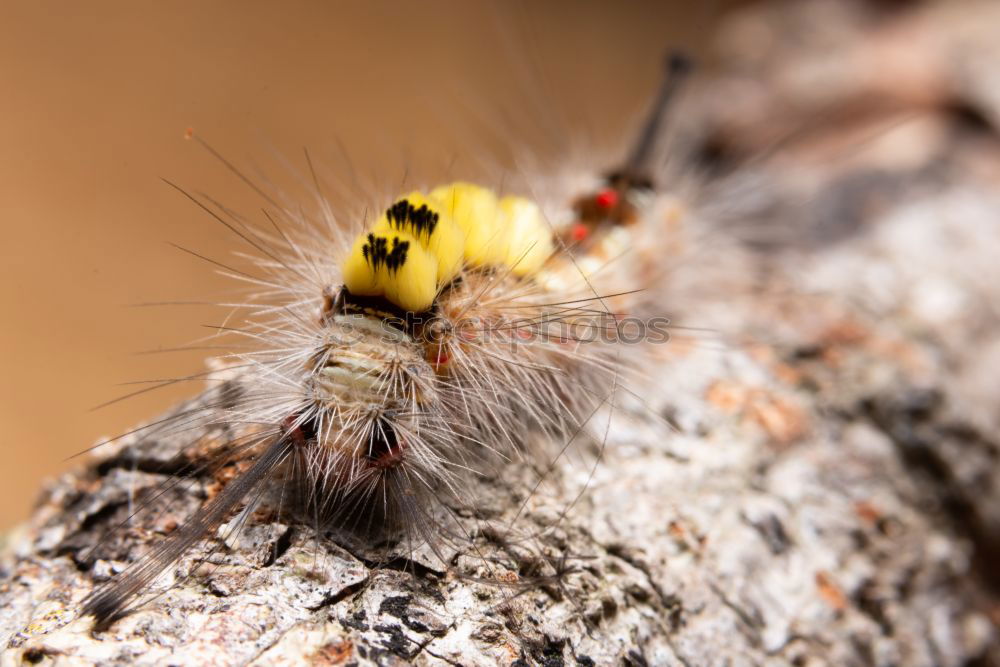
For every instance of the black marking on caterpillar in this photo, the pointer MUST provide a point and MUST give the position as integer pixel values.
(403, 214)
(376, 252)
(374, 306)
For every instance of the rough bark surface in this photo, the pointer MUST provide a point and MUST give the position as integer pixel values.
(827, 494)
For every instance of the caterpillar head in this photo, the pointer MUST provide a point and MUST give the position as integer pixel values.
(372, 393)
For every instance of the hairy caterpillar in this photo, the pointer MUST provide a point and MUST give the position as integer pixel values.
(775, 524)
(390, 366)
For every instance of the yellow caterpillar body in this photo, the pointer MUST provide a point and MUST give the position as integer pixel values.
(422, 242)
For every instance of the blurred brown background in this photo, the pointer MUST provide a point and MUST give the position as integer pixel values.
(96, 98)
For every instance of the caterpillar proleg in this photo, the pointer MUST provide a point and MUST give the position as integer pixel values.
(386, 366)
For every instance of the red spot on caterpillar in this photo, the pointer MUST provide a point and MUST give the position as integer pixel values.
(440, 358)
(390, 457)
(579, 232)
(297, 431)
(606, 199)
(189, 133)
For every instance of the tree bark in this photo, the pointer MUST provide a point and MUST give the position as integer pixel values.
(827, 492)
